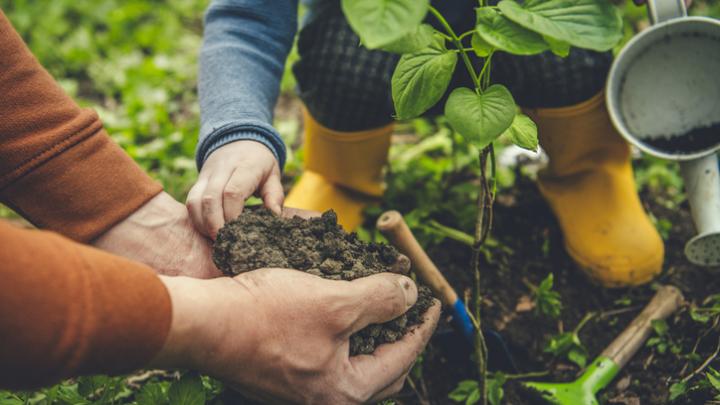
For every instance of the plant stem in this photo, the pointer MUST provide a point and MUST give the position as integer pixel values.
(533, 374)
(484, 207)
(466, 34)
(485, 71)
(586, 318)
(704, 365)
(456, 41)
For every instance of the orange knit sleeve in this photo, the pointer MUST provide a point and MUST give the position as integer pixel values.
(58, 167)
(67, 309)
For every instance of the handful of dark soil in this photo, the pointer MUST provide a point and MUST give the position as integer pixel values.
(319, 246)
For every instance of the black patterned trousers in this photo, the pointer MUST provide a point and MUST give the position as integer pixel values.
(346, 87)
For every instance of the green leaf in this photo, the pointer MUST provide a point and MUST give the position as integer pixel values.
(473, 398)
(421, 78)
(91, 385)
(547, 301)
(660, 326)
(523, 133)
(578, 355)
(187, 391)
(677, 390)
(464, 390)
(495, 388)
(506, 35)
(591, 24)
(381, 22)
(559, 48)
(421, 37)
(151, 394)
(560, 344)
(480, 118)
(480, 46)
(547, 283)
(714, 378)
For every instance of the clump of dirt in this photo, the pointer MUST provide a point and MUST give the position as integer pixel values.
(318, 246)
(696, 140)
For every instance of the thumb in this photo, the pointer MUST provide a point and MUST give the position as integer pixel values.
(382, 298)
(272, 191)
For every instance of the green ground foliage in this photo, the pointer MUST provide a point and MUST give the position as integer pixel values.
(135, 62)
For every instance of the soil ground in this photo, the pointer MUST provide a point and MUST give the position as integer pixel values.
(534, 248)
(699, 139)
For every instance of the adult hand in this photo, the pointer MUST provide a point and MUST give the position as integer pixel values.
(161, 235)
(229, 176)
(283, 335)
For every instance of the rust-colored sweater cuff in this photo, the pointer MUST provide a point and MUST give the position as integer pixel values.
(68, 309)
(58, 167)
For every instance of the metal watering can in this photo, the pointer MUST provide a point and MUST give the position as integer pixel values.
(663, 96)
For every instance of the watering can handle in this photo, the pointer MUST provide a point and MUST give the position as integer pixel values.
(666, 300)
(663, 10)
(393, 226)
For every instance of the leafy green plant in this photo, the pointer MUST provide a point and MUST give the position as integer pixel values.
(547, 301)
(713, 377)
(662, 341)
(468, 391)
(568, 344)
(677, 390)
(485, 112)
(710, 309)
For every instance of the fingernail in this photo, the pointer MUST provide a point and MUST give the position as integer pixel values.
(401, 266)
(409, 290)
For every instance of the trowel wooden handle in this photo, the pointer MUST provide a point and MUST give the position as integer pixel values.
(393, 226)
(666, 300)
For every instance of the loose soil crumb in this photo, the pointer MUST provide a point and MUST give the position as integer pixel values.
(697, 140)
(318, 246)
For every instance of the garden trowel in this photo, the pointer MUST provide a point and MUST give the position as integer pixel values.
(605, 367)
(392, 225)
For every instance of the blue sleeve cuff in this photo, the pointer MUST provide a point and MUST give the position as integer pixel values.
(225, 136)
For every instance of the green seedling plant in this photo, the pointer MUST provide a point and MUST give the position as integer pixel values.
(662, 342)
(468, 391)
(486, 111)
(547, 301)
(708, 315)
(568, 344)
(709, 310)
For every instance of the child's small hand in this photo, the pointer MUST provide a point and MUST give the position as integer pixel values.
(230, 176)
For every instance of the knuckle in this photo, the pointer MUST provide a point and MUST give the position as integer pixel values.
(232, 193)
(207, 200)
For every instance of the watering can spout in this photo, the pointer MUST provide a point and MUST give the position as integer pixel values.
(702, 185)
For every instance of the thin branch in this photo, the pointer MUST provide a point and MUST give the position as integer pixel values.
(456, 40)
(533, 374)
(704, 365)
(466, 34)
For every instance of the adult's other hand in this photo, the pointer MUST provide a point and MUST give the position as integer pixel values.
(283, 335)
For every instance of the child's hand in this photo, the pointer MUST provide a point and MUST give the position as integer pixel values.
(230, 176)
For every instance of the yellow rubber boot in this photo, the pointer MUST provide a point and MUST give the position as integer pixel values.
(590, 187)
(343, 171)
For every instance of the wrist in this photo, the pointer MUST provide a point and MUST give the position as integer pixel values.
(160, 234)
(203, 333)
(185, 326)
(263, 134)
